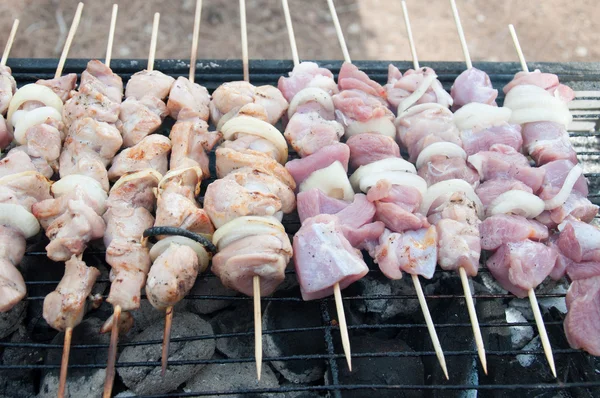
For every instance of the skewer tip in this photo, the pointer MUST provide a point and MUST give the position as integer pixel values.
(473, 317)
(64, 364)
(166, 341)
(339, 304)
(258, 350)
(537, 314)
(112, 354)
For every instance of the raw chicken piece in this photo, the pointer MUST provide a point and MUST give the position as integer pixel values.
(62, 85)
(579, 241)
(191, 96)
(502, 161)
(171, 276)
(472, 85)
(408, 90)
(140, 118)
(504, 228)
(247, 192)
(582, 323)
(309, 132)
(228, 160)
(548, 141)
(547, 81)
(423, 125)
(304, 75)
(191, 142)
(153, 83)
(90, 102)
(396, 206)
(230, 97)
(301, 169)
(65, 306)
(149, 153)
(314, 202)
(351, 78)
(325, 257)
(360, 113)
(491, 189)
(555, 175)
(8, 86)
(414, 252)
(15, 162)
(6, 135)
(482, 139)
(520, 266)
(12, 285)
(440, 168)
(370, 147)
(24, 189)
(576, 206)
(266, 256)
(102, 77)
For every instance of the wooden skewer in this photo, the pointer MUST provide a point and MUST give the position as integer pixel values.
(430, 326)
(153, 40)
(532, 298)
(290, 29)
(338, 31)
(413, 49)
(461, 34)
(515, 39)
(111, 35)
(258, 349)
(9, 42)
(70, 36)
(194, 53)
(473, 316)
(463, 275)
(64, 363)
(166, 340)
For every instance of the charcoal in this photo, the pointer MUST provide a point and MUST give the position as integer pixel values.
(146, 380)
(10, 320)
(80, 381)
(238, 319)
(209, 286)
(15, 382)
(389, 370)
(293, 314)
(519, 335)
(147, 315)
(228, 377)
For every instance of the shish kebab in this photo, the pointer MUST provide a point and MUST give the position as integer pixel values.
(139, 168)
(8, 86)
(34, 115)
(254, 190)
(178, 259)
(575, 241)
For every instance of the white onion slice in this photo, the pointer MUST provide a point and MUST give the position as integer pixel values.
(332, 180)
(422, 108)
(380, 125)
(448, 187)
(388, 164)
(476, 161)
(517, 202)
(178, 172)
(137, 175)
(92, 187)
(448, 149)
(476, 114)
(561, 197)
(549, 113)
(17, 217)
(159, 247)
(253, 126)
(308, 95)
(531, 103)
(33, 118)
(34, 92)
(395, 178)
(242, 227)
(417, 94)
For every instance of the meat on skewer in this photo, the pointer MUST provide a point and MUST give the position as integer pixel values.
(8, 87)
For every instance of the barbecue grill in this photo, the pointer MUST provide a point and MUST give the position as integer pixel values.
(392, 356)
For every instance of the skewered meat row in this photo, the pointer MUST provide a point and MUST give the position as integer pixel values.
(8, 86)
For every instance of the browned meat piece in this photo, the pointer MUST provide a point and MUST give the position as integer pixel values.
(12, 250)
(247, 192)
(185, 94)
(24, 189)
(126, 222)
(130, 263)
(141, 118)
(62, 86)
(172, 275)
(6, 136)
(153, 83)
(8, 86)
(44, 141)
(39, 164)
(255, 143)
(135, 190)
(90, 102)
(191, 142)
(16, 162)
(65, 306)
(149, 153)
(102, 77)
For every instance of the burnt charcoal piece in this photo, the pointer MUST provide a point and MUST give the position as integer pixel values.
(294, 314)
(209, 286)
(10, 321)
(235, 320)
(19, 383)
(381, 370)
(144, 380)
(81, 382)
(227, 377)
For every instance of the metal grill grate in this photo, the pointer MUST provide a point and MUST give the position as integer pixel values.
(578, 372)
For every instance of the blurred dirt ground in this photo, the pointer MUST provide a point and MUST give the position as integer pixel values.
(549, 30)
